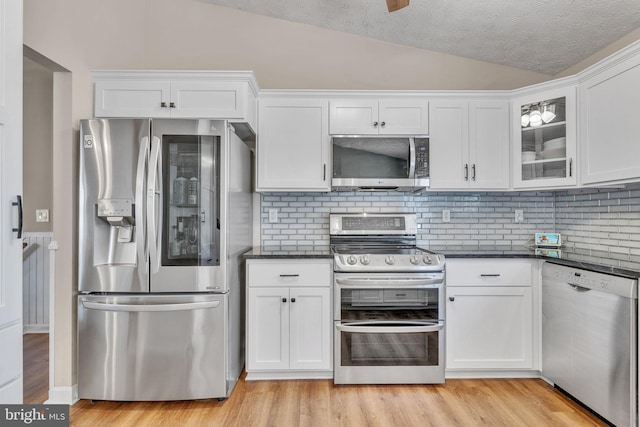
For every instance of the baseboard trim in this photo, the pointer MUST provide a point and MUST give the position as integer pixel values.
(288, 375)
(63, 395)
(514, 373)
(35, 329)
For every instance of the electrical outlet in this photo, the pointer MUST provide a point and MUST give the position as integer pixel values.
(42, 215)
(446, 215)
(519, 215)
(273, 215)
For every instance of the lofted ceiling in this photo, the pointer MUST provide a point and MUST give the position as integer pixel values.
(545, 36)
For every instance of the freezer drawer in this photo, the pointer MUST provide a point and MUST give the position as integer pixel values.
(157, 347)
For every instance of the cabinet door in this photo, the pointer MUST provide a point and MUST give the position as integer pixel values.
(129, 98)
(354, 117)
(219, 100)
(449, 144)
(293, 146)
(311, 328)
(544, 152)
(489, 144)
(609, 124)
(489, 328)
(268, 329)
(403, 117)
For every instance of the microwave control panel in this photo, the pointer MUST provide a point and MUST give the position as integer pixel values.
(422, 157)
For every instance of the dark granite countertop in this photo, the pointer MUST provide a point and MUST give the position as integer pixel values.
(268, 252)
(601, 262)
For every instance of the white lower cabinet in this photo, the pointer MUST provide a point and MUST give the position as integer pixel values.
(489, 327)
(490, 316)
(289, 325)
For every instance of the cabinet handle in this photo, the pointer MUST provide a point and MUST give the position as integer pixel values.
(289, 275)
(375, 124)
(324, 172)
(490, 275)
(570, 167)
(382, 124)
(163, 105)
(474, 172)
(452, 298)
(172, 105)
(466, 171)
(293, 300)
(284, 300)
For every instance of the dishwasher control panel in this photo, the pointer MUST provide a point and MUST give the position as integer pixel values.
(586, 279)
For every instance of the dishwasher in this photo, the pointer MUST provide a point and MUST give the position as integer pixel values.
(589, 339)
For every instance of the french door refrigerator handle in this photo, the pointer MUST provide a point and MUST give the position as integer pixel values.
(149, 307)
(142, 243)
(153, 193)
(402, 328)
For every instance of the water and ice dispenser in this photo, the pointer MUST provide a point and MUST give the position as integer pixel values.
(114, 240)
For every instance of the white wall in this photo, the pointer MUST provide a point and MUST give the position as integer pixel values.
(37, 131)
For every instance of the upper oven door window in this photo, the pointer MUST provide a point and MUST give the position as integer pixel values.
(362, 157)
(389, 304)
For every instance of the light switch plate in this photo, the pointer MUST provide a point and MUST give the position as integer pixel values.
(519, 217)
(446, 215)
(273, 215)
(42, 215)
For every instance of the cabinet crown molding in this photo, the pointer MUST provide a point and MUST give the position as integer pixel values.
(192, 75)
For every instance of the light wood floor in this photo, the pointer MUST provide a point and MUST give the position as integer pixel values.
(35, 368)
(484, 402)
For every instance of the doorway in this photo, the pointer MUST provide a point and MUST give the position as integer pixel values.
(43, 83)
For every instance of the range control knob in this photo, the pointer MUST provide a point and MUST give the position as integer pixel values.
(414, 260)
(351, 259)
(390, 260)
(364, 259)
(427, 260)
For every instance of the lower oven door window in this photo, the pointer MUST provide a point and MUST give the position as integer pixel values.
(390, 343)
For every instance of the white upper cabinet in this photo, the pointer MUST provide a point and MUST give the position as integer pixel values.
(608, 99)
(211, 94)
(544, 138)
(379, 117)
(469, 144)
(293, 145)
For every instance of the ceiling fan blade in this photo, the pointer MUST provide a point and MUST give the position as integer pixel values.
(393, 5)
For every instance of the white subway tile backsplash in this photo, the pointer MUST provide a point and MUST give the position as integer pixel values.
(596, 222)
(601, 222)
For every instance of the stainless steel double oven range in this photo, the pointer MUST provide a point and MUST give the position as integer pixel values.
(389, 302)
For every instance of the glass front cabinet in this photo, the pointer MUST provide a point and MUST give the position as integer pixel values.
(544, 134)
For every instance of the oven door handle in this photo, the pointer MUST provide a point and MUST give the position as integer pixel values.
(396, 282)
(390, 327)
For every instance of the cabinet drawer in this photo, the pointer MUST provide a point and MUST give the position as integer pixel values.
(289, 273)
(489, 272)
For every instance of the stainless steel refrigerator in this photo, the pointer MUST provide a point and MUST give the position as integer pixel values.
(164, 217)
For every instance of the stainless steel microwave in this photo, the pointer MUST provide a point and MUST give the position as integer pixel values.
(370, 163)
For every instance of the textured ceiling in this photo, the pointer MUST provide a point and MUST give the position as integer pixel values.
(546, 36)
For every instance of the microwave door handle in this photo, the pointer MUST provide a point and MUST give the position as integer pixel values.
(387, 328)
(412, 158)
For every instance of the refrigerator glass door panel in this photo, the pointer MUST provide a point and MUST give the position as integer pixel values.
(186, 185)
(114, 156)
(152, 347)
